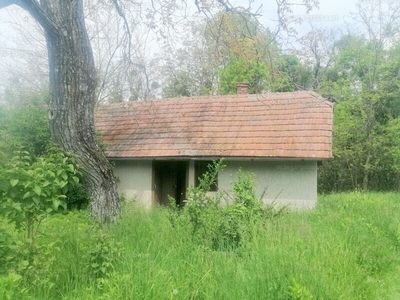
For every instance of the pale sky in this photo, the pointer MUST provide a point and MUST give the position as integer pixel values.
(329, 11)
(330, 14)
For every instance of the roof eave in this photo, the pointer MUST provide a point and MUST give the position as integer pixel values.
(236, 158)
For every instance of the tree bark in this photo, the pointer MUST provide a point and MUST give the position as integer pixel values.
(366, 172)
(73, 82)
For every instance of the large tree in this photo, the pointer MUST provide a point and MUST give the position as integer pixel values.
(73, 83)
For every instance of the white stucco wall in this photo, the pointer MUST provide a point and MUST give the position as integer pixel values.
(292, 183)
(134, 179)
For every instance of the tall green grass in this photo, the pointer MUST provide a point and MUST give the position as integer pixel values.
(347, 248)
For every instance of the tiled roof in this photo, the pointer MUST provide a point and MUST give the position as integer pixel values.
(276, 125)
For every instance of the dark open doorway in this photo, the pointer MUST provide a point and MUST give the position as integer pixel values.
(170, 179)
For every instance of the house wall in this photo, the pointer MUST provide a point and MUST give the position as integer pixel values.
(134, 179)
(292, 183)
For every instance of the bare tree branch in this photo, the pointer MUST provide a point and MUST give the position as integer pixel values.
(128, 32)
(36, 11)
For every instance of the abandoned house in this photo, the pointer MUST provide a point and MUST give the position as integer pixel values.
(161, 147)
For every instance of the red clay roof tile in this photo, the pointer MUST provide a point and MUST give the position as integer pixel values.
(276, 125)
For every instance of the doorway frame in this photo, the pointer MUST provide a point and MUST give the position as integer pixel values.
(179, 169)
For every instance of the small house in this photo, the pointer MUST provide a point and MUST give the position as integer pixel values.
(161, 147)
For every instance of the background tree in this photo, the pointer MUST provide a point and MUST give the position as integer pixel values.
(251, 71)
(222, 50)
(294, 75)
(363, 81)
(23, 123)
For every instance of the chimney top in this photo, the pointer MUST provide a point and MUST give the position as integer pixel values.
(242, 88)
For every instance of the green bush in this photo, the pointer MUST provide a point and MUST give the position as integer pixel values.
(77, 196)
(104, 254)
(222, 226)
(31, 189)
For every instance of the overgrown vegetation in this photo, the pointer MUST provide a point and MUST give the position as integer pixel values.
(348, 248)
(24, 124)
(37, 180)
(25, 131)
(32, 189)
(217, 221)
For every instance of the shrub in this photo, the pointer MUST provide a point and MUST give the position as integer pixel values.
(103, 255)
(77, 196)
(217, 226)
(31, 189)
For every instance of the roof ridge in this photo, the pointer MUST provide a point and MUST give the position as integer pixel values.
(267, 95)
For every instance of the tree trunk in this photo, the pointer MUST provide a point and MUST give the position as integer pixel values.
(366, 172)
(73, 83)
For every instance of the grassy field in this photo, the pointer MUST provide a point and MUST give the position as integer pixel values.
(347, 248)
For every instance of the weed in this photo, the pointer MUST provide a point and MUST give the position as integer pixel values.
(216, 225)
(104, 254)
(347, 248)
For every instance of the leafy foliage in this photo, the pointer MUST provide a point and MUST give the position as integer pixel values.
(349, 238)
(298, 292)
(7, 251)
(236, 71)
(219, 225)
(179, 86)
(10, 287)
(71, 246)
(103, 255)
(292, 74)
(24, 124)
(219, 52)
(32, 189)
(366, 119)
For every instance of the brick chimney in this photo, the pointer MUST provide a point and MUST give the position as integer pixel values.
(242, 88)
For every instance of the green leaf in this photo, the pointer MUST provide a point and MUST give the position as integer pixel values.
(71, 168)
(56, 204)
(36, 200)
(37, 190)
(14, 182)
(61, 184)
(46, 183)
